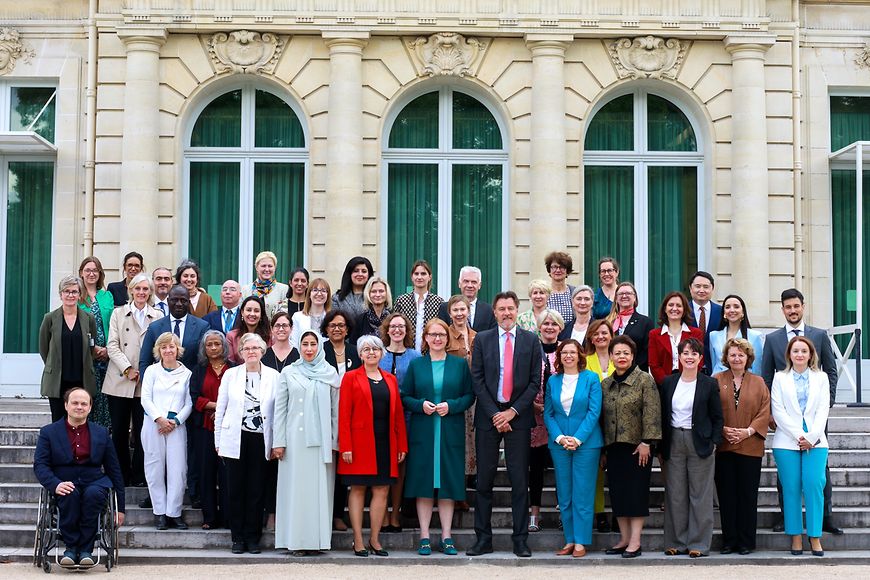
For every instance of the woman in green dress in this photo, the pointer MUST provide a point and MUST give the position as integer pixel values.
(437, 391)
(99, 302)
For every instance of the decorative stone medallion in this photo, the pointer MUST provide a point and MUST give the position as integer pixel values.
(862, 59)
(11, 49)
(245, 51)
(647, 57)
(447, 53)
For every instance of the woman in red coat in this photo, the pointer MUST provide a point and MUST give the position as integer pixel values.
(371, 440)
(674, 318)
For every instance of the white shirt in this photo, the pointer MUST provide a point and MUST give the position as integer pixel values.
(682, 403)
(789, 330)
(675, 341)
(472, 308)
(139, 315)
(501, 340)
(696, 308)
(162, 306)
(180, 327)
(578, 335)
(418, 331)
(569, 387)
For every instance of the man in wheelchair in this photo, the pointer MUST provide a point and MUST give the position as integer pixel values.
(75, 459)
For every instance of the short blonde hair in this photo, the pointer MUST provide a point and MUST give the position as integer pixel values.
(165, 339)
(266, 254)
(135, 281)
(252, 337)
(552, 315)
(377, 280)
(539, 284)
(742, 344)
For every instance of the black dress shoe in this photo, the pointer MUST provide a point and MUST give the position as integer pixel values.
(778, 527)
(744, 551)
(238, 548)
(797, 552)
(615, 551)
(634, 554)
(253, 548)
(479, 549)
(146, 503)
(521, 549)
(160, 522)
(726, 550)
(830, 528)
(176, 523)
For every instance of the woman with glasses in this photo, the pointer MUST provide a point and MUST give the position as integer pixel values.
(626, 320)
(371, 441)
(608, 275)
(559, 266)
(437, 391)
(66, 345)
(318, 302)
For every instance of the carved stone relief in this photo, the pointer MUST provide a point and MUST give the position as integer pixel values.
(11, 49)
(447, 53)
(245, 51)
(862, 59)
(648, 57)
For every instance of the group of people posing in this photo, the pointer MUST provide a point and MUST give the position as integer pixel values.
(281, 407)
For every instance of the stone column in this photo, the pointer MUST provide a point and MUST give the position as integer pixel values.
(140, 156)
(344, 150)
(548, 157)
(750, 236)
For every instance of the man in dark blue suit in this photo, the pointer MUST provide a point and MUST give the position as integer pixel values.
(506, 377)
(705, 314)
(480, 317)
(190, 330)
(224, 317)
(75, 460)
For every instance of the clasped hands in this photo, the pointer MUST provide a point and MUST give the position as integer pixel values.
(569, 443)
(429, 407)
(804, 444)
(735, 435)
(165, 426)
(502, 420)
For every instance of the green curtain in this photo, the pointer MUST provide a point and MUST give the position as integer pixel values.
(275, 123)
(26, 104)
(412, 221)
(844, 209)
(850, 121)
(669, 128)
(416, 127)
(474, 127)
(612, 128)
(673, 229)
(477, 235)
(28, 253)
(608, 229)
(279, 213)
(214, 220)
(220, 123)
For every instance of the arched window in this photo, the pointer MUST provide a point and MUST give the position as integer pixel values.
(445, 163)
(642, 194)
(245, 169)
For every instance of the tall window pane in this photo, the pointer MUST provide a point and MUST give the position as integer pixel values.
(33, 103)
(477, 199)
(214, 220)
(275, 123)
(850, 121)
(220, 124)
(608, 219)
(669, 128)
(279, 212)
(416, 127)
(474, 127)
(673, 229)
(28, 253)
(612, 128)
(412, 223)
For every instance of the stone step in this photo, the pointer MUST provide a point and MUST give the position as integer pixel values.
(17, 454)
(19, 436)
(547, 540)
(31, 419)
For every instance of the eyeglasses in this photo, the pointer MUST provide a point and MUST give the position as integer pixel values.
(281, 326)
(319, 290)
(70, 292)
(437, 335)
(369, 350)
(336, 326)
(607, 271)
(557, 267)
(622, 294)
(251, 349)
(90, 271)
(396, 327)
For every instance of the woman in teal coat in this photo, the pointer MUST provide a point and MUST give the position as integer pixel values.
(572, 406)
(437, 391)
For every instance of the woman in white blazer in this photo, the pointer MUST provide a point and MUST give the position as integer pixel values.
(122, 385)
(166, 401)
(243, 437)
(799, 401)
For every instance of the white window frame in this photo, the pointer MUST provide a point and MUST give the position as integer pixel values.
(641, 159)
(247, 156)
(445, 157)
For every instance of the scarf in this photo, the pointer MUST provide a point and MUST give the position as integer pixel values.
(373, 320)
(317, 378)
(262, 287)
(621, 320)
(619, 378)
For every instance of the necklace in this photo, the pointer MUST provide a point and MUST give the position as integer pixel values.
(217, 368)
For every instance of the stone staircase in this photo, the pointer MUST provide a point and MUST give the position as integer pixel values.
(849, 437)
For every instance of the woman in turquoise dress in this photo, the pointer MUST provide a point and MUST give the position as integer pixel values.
(437, 391)
(99, 302)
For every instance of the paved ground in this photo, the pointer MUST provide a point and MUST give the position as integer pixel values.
(363, 572)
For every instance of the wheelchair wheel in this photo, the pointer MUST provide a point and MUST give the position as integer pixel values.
(46, 566)
(109, 531)
(43, 536)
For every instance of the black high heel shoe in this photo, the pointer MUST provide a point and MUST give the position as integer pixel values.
(378, 551)
(361, 553)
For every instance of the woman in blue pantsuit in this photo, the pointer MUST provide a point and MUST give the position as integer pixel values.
(799, 402)
(572, 405)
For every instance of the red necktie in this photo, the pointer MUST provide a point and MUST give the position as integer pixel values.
(702, 320)
(507, 388)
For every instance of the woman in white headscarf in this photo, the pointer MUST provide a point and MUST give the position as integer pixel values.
(305, 435)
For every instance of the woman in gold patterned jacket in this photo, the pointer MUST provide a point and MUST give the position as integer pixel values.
(631, 424)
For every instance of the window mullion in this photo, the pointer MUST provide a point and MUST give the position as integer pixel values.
(248, 112)
(246, 220)
(445, 226)
(641, 237)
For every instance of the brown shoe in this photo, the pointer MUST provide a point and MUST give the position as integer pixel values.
(566, 551)
(579, 551)
(461, 506)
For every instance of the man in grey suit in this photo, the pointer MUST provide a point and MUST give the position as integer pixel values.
(773, 360)
(506, 377)
(480, 317)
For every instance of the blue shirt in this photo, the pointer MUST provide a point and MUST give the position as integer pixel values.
(802, 386)
(502, 333)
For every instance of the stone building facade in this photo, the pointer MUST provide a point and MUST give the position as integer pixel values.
(673, 134)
